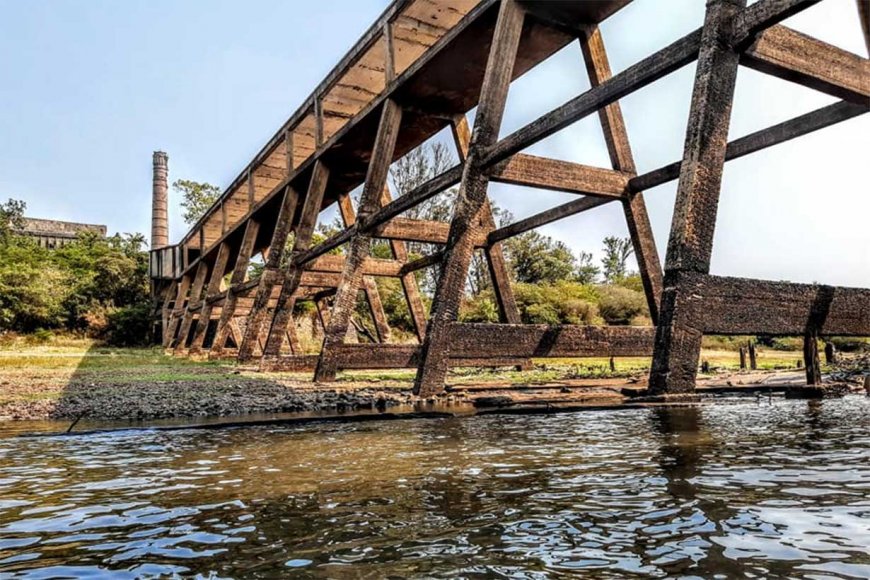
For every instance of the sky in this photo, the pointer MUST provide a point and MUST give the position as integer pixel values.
(89, 89)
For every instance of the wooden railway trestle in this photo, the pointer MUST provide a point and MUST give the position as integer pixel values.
(399, 86)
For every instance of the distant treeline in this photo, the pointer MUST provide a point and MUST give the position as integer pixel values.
(93, 285)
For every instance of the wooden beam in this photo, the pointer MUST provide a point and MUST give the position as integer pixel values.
(678, 342)
(192, 303)
(621, 158)
(240, 270)
(762, 15)
(564, 176)
(360, 245)
(270, 277)
(635, 77)
(545, 217)
(472, 199)
(413, 230)
(774, 135)
(496, 263)
(792, 56)
(283, 313)
(218, 272)
(543, 340)
(174, 320)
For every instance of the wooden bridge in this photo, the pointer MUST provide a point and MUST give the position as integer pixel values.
(420, 69)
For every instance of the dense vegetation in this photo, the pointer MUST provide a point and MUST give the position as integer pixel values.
(95, 286)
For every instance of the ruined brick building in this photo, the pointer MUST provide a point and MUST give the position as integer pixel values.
(56, 234)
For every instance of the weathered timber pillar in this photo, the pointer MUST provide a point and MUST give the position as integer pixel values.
(270, 277)
(465, 228)
(218, 271)
(811, 358)
(753, 356)
(621, 159)
(370, 287)
(193, 302)
(160, 200)
(172, 327)
(679, 332)
(742, 358)
(499, 272)
(409, 281)
(283, 313)
(360, 245)
(240, 269)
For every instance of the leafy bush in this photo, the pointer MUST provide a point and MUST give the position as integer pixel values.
(620, 305)
(479, 309)
(129, 326)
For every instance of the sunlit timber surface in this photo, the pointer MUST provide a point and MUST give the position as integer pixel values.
(769, 488)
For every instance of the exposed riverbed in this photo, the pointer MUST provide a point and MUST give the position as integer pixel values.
(771, 489)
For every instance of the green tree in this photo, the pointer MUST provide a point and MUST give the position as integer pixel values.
(537, 258)
(614, 264)
(586, 271)
(196, 198)
(11, 218)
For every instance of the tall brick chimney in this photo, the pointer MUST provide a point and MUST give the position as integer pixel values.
(160, 201)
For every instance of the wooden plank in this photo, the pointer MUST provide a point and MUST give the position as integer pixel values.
(621, 158)
(465, 227)
(360, 245)
(413, 230)
(802, 59)
(678, 343)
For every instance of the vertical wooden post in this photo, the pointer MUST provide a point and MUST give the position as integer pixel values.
(370, 287)
(499, 272)
(621, 158)
(283, 314)
(252, 191)
(465, 228)
(742, 358)
(360, 246)
(193, 302)
(678, 334)
(214, 286)
(409, 281)
(240, 269)
(811, 358)
(753, 357)
(270, 276)
(830, 352)
(182, 288)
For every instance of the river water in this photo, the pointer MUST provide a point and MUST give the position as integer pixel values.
(751, 489)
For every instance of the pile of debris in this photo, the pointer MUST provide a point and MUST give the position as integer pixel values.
(853, 369)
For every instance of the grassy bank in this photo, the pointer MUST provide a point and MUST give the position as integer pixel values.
(67, 378)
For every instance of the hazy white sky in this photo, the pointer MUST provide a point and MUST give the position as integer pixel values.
(89, 89)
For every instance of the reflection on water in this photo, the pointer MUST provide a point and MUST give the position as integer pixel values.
(753, 490)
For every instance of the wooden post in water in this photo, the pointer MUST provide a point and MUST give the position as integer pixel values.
(811, 358)
(830, 352)
(753, 360)
(742, 359)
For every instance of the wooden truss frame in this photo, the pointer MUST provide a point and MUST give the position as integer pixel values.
(209, 283)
